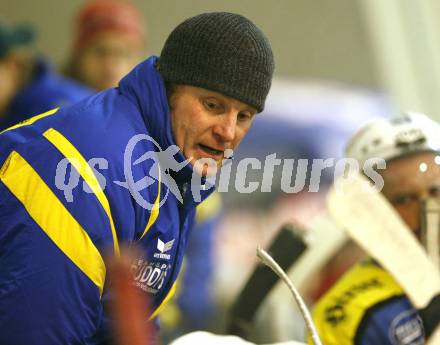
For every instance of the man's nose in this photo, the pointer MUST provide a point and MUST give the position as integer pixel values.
(226, 127)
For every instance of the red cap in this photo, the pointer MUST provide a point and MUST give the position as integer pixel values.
(100, 16)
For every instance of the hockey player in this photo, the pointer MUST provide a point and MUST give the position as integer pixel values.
(367, 306)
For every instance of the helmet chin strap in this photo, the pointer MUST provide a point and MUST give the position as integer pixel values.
(430, 229)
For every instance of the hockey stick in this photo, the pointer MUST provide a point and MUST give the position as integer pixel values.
(326, 241)
(129, 305)
(286, 248)
(279, 313)
(273, 265)
(371, 221)
(430, 229)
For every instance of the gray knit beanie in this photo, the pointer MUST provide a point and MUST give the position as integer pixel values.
(222, 52)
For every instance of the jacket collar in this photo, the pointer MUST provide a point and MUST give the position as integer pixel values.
(146, 88)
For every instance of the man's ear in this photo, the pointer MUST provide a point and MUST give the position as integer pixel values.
(172, 93)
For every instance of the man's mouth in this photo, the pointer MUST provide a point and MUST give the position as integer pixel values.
(211, 151)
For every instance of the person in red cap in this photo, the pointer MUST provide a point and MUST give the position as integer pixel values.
(109, 42)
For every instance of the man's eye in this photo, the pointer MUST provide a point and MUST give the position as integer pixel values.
(211, 105)
(244, 117)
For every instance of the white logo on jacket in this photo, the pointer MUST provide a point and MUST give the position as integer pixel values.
(163, 247)
(149, 276)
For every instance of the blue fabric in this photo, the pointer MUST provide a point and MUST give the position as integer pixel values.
(47, 90)
(44, 297)
(391, 323)
(196, 300)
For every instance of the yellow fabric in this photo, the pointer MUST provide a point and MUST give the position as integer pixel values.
(165, 301)
(154, 213)
(339, 313)
(209, 208)
(83, 168)
(58, 224)
(31, 120)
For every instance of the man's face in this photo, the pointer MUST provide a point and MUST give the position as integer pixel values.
(108, 58)
(206, 123)
(409, 181)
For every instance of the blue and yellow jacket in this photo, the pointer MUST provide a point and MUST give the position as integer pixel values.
(75, 183)
(46, 90)
(367, 307)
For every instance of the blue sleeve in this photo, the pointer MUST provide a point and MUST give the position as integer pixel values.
(392, 322)
(52, 269)
(44, 297)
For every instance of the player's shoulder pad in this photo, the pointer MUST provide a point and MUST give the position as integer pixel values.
(339, 313)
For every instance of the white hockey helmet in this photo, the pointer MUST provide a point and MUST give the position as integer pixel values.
(393, 138)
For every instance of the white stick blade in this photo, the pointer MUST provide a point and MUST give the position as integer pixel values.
(372, 222)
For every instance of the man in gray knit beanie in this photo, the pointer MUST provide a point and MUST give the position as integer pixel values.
(195, 102)
(222, 52)
(218, 70)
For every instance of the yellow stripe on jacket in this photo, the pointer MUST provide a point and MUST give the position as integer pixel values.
(58, 224)
(165, 301)
(31, 120)
(77, 160)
